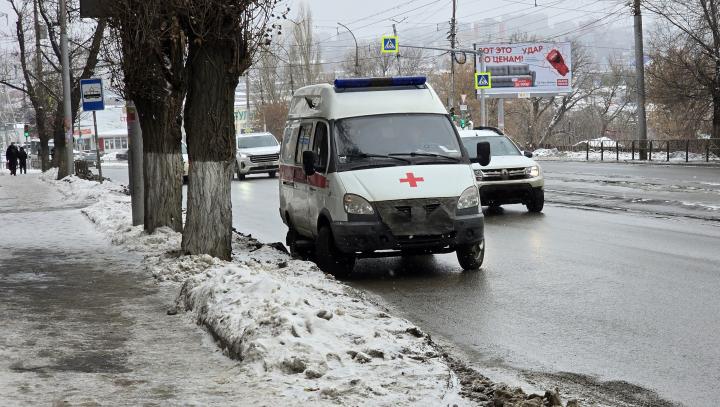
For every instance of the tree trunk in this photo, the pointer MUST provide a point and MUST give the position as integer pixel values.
(59, 136)
(44, 153)
(212, 72)
(162, 164)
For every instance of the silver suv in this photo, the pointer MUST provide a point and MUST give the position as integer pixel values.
(512, 177)
(256, 153)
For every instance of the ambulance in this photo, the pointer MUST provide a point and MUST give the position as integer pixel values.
(374, 167)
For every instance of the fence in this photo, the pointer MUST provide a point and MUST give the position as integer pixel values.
(630, 150)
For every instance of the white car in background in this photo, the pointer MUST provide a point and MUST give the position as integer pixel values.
(186, 160)
(256, 153)
(512, 177)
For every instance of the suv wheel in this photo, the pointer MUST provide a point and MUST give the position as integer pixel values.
(240, 176)
(272, 174)
(471, 256)
(329, 258)
(537, 200)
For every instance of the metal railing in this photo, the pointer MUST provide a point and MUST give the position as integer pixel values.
(690, 150)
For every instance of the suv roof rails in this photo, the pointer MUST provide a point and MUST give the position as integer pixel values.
(495, 129)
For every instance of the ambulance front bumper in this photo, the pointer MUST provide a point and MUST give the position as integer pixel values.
(373, 238)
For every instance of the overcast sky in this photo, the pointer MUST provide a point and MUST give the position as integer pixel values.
(371, 18)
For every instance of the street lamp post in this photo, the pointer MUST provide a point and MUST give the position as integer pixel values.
(66, 89)
(357, 67)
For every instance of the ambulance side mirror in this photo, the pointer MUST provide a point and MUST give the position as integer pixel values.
(308, 162)
(483, 153)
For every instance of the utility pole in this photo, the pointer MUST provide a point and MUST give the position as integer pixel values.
(67, 122)
(397, 55)
(640, 74)
(357, 65)
(451, 98)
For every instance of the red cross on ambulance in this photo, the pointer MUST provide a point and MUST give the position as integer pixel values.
(412, 180)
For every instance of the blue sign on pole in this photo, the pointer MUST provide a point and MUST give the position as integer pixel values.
(390, 44)
(91, 92)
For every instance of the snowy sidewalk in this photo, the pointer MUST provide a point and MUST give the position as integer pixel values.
(80, 324)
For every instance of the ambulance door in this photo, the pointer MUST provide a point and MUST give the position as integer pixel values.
(318, 190)
(287, 171)
(301, 187)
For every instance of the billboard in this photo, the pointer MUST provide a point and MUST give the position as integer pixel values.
(532, 68)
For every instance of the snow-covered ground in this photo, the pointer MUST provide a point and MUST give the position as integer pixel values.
(610, 155)
(296, 332)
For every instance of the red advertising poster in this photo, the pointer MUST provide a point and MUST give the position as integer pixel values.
(534, 68)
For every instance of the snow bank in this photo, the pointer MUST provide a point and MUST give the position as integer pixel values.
(314, 337)
(297, 333)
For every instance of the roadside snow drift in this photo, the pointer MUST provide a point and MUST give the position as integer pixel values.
(296, 332)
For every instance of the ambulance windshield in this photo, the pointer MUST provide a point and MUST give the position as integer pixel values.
(422, 138)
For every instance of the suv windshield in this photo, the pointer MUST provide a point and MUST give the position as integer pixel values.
(397, 139)
(265, 140)
(499, 145)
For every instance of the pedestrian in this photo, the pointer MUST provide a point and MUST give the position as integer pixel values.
(11, 155)
(22, 158)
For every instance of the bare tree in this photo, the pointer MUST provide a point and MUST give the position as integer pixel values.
(613, 98)
(304, 52)
(680, 107)
(697, 25)
(222, 38)
(152, 51)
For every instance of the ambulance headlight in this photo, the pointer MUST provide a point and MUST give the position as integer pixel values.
(533, 171)
(357, 205)
(470, 198)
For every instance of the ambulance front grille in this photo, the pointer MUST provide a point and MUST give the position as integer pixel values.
(408, 217)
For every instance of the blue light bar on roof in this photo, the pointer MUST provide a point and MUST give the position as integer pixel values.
(380, 82)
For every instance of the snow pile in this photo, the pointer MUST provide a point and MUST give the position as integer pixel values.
(297, 333)
(314, 338)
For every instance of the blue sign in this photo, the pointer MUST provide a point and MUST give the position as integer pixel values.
(390, 44)
(483, 80)
(91, 92)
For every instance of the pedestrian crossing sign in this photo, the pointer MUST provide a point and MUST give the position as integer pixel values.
(483, 80)
(390, 44)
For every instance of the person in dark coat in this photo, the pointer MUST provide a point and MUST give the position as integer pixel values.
(11, 155)
(22, 159)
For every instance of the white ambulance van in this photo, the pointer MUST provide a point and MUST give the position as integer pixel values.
(374, 167)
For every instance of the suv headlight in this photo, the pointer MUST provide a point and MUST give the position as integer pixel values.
(470, 198)
(242, 156)
(357, 205)
(533, 171)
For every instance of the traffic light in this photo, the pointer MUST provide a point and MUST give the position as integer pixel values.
(27, 131)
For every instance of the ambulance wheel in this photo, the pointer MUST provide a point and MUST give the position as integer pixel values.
(272, 174)
(537, 200)
(329, 258)
(471, 256)
(296, 250)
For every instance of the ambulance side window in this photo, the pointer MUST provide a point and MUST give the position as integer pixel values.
(288, 144)
(320, 146)
(303, 143)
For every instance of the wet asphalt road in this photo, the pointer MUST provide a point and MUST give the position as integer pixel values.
(602, 285)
